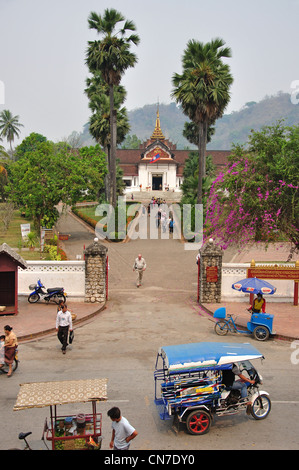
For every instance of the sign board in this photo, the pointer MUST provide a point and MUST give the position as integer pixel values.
(212, 273)
(273, 272)
(25, 229)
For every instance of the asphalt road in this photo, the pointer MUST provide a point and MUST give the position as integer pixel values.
(121, 344)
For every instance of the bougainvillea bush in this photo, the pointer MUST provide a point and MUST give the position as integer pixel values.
(255, 199)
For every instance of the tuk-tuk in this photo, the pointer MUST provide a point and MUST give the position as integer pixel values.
(190, 384)
(71, 432)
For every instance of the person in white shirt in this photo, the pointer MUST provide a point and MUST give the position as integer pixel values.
(64, 324)
(122, 431)
(139, 266)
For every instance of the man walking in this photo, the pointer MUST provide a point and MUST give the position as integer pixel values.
(63, 325)
(139, 266)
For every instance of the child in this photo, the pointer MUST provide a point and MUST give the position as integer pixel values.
(122, 431)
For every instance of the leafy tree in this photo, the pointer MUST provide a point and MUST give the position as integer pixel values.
(50, 173)
(203, 90)
(256, 198)
(9, 126)
(29, 144)
(111, 56)
(190, 183)
(4, 162)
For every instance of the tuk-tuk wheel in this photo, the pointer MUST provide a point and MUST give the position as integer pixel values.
(261, 333)
(198, 422)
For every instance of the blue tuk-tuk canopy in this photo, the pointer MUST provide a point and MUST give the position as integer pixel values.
(199, 356)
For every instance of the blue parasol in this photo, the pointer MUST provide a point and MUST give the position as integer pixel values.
(253, 285)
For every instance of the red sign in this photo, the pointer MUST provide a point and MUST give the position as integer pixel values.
(212, 274)
(273, 272)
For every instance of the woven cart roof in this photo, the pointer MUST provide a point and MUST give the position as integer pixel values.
(40, 394)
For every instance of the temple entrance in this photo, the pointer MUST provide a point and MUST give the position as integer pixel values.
(157, 183)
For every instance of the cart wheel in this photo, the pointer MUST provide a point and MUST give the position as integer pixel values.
(221, 328)
(32, 299)
(198, 422)
(261, 333)
(261, 407)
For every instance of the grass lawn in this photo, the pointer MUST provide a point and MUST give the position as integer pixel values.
(13, 236)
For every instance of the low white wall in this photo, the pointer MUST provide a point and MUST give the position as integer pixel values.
(71, 276)
(67, 274)
(233, 272)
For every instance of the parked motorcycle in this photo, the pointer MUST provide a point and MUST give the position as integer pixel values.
(54, 294)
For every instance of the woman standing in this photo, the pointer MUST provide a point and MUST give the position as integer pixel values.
(11, 344)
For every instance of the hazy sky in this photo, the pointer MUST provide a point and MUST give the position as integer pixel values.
(43, 46)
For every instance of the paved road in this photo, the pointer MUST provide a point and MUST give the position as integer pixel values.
(121, 344)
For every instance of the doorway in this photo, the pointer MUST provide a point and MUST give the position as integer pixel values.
(157, 183)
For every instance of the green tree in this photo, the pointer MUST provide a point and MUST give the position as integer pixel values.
(203, 90)
(50, 173)
(111, 56)
(9, 126)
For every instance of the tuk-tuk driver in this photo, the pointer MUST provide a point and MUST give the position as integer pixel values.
(241, 384)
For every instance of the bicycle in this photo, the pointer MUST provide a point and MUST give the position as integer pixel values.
(260, 325)
(222, 327)
(22, 436)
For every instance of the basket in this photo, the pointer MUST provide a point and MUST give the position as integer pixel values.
(220, 313)
(32, 286)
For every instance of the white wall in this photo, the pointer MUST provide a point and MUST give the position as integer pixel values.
(67, 274)
(233, 272)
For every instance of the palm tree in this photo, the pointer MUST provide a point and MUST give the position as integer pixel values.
(203, 91)
(99, 122)
(9, 126)
(111, 56)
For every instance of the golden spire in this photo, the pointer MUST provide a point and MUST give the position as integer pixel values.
(158, 134)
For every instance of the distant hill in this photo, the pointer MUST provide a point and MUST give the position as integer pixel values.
(231, 128)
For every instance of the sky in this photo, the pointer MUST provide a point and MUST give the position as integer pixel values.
(43, 47)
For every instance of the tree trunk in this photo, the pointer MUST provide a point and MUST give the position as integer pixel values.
(112, 148)
(202, 128)
(107, 176)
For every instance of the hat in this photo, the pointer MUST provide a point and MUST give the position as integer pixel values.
(80, 418)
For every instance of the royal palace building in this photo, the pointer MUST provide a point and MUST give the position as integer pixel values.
(158, 165)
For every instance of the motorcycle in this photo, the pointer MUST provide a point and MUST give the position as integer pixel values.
(54, 294)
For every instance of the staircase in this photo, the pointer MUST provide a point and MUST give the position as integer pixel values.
(146, 196)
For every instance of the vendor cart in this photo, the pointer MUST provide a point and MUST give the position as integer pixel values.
(71, 432)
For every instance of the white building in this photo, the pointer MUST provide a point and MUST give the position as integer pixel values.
(157, 165)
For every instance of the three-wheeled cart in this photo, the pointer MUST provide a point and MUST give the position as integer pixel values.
(190, 384)
(71, 432)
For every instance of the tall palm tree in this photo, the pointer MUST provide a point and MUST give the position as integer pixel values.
(9, 126)
(203, 90)
(111, 56)
(99, 122)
